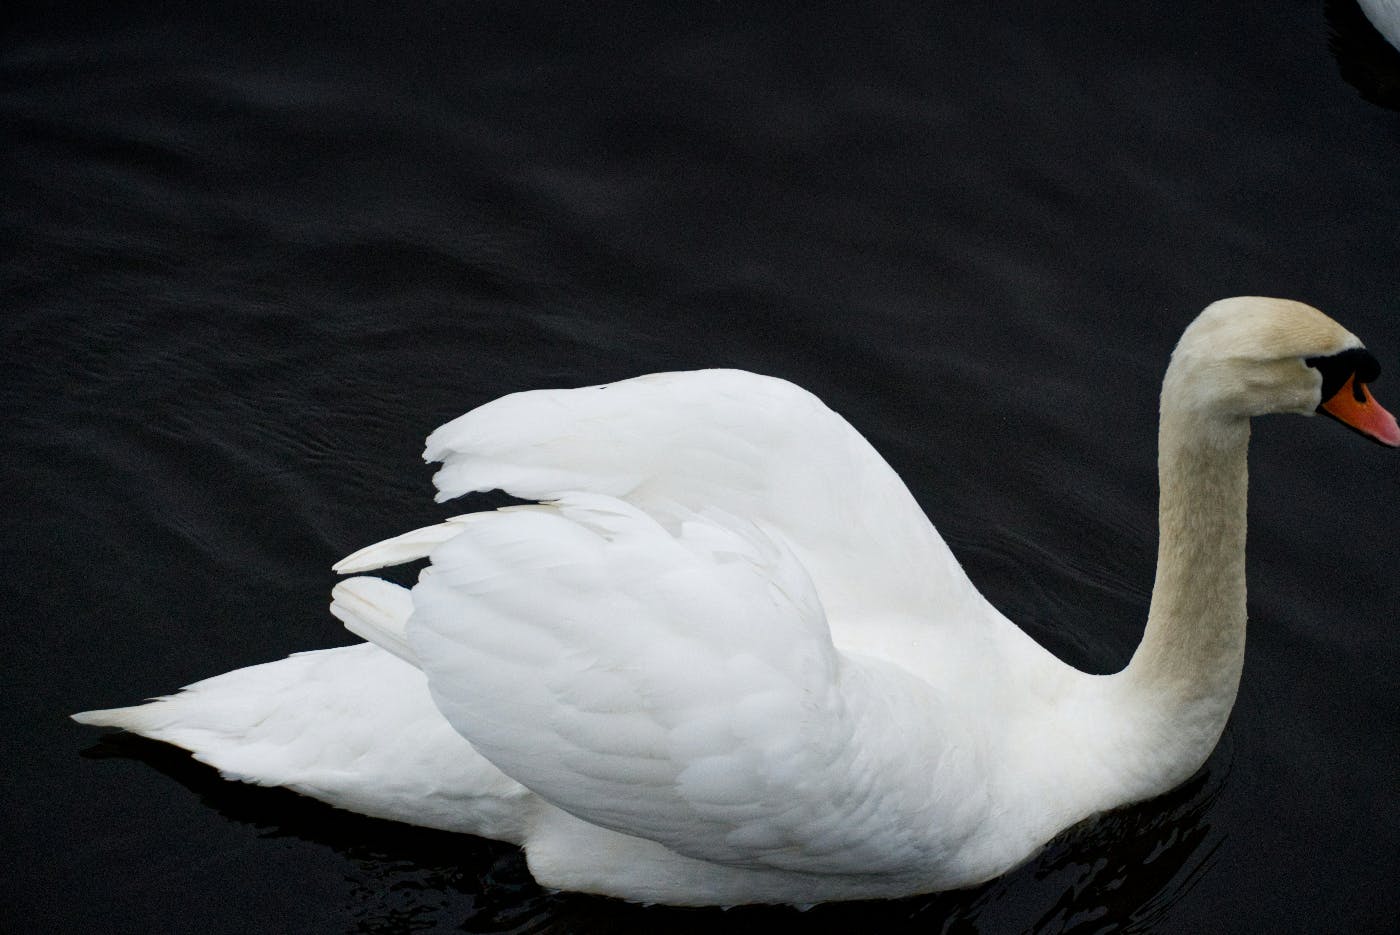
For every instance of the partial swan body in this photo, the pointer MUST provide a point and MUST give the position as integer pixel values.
(726, 659)
(1365, 40)
(1385, 16)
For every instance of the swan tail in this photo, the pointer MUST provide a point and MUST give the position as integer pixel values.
(226, 720)
(376, 610)
(352, 726)
(146, 719)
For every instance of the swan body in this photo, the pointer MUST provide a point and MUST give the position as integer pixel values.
(726, 659)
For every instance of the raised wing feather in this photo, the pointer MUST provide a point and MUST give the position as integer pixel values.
(681, 685)
(751, 446)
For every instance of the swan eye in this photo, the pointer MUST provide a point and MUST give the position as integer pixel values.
(1337, 368)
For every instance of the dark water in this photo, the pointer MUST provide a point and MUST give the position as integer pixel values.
(251, 258)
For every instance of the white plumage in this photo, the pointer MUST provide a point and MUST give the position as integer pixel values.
(727, 659)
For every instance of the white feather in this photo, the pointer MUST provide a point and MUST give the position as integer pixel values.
(375, 610)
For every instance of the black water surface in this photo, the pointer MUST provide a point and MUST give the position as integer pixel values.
(252, 255)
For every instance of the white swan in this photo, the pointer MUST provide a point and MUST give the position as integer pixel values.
(729, 661)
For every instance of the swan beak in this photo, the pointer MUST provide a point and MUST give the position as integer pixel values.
(1353, 406)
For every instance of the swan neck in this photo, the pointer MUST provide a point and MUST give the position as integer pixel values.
(1194, 641)
(1176, 694)
(1130, 736)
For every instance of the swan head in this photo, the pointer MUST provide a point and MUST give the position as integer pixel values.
(1251, 356)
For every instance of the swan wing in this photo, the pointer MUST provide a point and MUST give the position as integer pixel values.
(756, 447)
(682, 686)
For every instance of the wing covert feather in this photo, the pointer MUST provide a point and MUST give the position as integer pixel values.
(678, 686)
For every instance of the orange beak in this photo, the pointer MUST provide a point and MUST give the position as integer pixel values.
(1353, 406)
